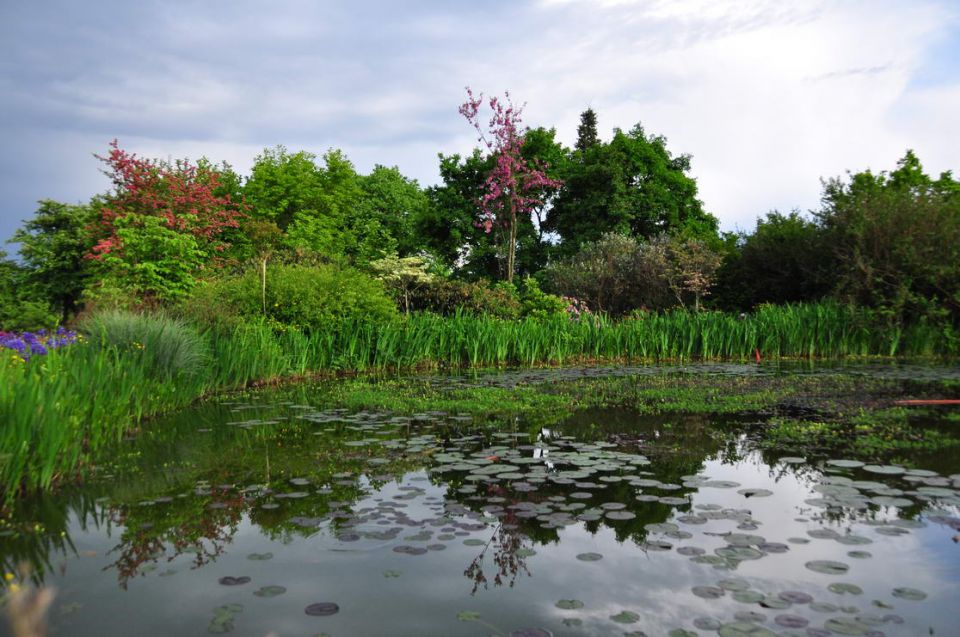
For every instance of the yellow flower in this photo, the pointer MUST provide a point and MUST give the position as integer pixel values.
(8, 577)
(14, 588)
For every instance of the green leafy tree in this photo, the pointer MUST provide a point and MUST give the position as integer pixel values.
(631, 185)
(448, 228)
(53, 245)
(397, 203)
(896, 238)
(158, 263)
(785, 260)
(320, 208)
(21, 308)
(587, 136)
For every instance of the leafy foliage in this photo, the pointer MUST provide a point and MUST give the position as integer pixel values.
(786, 260)
(161, 225)
(631, 185)
(297, 296)
(896, 239)
(52, 246)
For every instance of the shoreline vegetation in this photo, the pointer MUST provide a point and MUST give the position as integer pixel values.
(62, 408)
(186, 278)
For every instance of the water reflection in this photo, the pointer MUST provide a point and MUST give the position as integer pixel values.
(661, 522)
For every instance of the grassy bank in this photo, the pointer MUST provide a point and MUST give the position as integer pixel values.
(58, 410)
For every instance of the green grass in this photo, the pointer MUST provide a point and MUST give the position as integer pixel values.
(59, 410)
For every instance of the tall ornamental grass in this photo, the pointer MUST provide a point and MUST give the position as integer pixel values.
(57, 411)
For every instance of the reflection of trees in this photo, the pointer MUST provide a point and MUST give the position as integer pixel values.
(506, 542)
(188, 525)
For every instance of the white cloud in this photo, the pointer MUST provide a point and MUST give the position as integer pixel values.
(768, 96)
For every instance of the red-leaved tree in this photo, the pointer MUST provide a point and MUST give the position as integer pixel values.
(162, 223)
(182, 194)
(515, 186)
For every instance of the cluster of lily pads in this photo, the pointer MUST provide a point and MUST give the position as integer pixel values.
(513, 480)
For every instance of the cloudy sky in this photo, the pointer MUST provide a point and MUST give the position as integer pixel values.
(768, 96)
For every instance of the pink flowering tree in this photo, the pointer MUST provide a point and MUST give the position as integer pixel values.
(514, 187)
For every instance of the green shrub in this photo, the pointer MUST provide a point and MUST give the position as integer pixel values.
(536, 303)
(448, 297)
(296, 296)
(166, 346)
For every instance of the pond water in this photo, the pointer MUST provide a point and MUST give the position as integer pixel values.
(274, 513)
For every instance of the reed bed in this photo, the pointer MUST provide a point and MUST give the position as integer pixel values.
(57, 411)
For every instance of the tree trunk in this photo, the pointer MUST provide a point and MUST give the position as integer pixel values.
(263, 285)
(512, 243)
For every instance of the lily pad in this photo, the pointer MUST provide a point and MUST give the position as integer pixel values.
(912, 594)
(889, 470)
(625, 617)
(589, 557)
(744, 629)
(322, 609)
(796, 597)
(234, 581)
(845, 464)
(791, 621)
(708, 592)
(270, 591)
(846, 626)
(569, 604)
(531, 632)
(827, 567)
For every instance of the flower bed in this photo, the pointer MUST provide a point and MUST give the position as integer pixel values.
(27, 344)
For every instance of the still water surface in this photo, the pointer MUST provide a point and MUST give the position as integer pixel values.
(265, 515)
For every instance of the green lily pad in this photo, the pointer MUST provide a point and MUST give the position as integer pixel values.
(846, 626)
(744, 629)
(912, 594)
(842, 588)
(888, 470)
(569, 604)
(468, 616)
(625, 617)
(270, 591)
(845, 464)
(589, 557)
(827, 567)
(708, 592)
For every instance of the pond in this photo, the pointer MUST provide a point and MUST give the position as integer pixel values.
(305, 511)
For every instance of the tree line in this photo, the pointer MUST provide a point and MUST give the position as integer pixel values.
(615, 224)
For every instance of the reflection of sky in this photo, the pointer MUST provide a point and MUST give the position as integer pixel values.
(432, 589)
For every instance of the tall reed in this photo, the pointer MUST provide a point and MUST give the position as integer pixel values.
(58, 410)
